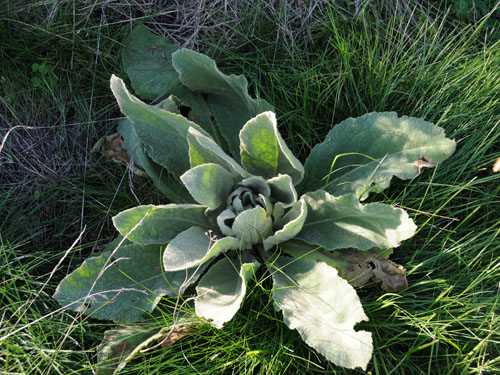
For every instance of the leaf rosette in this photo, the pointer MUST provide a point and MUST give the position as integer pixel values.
(234, 182)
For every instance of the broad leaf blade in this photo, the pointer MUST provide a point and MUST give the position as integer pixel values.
(343, 222)
(193, 247)
(221, 290)
(203, 149)
(209, 184)
(148, 63)
(164, 181)
(123, 292)
(291, 224)
(264, 152)
(324, 309)
(401, 146)
(159, 224)
(228, 95)
(164, 134)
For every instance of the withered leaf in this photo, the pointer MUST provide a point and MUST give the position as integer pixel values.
(112, 147)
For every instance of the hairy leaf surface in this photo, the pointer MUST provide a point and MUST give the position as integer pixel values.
(209, 184)
(384, 144)
(282, 189)
(252, 226)
(264, 152)
(289, 225)
(159, 224)
(122, 288)
(164, 134)
(323, 308)
(193, 247)
(203, 149)
(343, 222)
(148, 63)
(164, 181)
(228, 96)
(221, 290)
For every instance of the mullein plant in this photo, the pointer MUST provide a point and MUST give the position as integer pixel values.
(243, 202)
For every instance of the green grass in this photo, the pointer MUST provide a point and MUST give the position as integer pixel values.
(318, 66)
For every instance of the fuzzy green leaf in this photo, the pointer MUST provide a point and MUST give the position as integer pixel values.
(324, 309)
(282, 189)
(164, 134)
(209, 184)
(291, 224)
(163, 180)
(252, 226)
(203, 149)
(228, 95)
(194, 247)
(112, 286)
(343, 222)
(221, 290)
(264, 152)
(159, 224)
(148, 63)
(384, 145)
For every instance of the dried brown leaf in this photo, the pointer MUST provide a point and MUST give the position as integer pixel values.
(112, 147)
(363, 266)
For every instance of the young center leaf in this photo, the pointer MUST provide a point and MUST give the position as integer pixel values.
(228, 96)
(193, 247)
(159, 224)
(288, 226)
(377, 146)
(264, 152)
(342, 222)
(209, 184)
(221, 290)
(323, 308)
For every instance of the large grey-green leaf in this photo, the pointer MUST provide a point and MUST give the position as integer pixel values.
(228, 95)
(159, 224)
(264, 152)
(343, 222)
(324, 309)
(209, 184)
(148, 63)
(221, 290)
(290, 225)
(121, 285)
(164, 181)
(164, 134)
(252, 226)
(203, 149)
(195, 246)
(401, 146)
